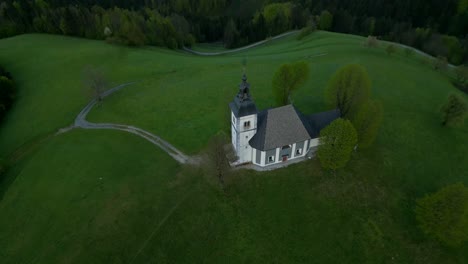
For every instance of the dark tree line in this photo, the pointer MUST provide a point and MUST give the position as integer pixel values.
(7, 92)
(437, 27)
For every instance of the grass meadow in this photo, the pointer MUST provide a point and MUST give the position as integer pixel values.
(110, 197)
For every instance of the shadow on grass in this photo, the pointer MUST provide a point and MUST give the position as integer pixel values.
(14, 161)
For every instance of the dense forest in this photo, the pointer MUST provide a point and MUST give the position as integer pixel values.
(437, 27)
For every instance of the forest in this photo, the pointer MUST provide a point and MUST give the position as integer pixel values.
(439, 28)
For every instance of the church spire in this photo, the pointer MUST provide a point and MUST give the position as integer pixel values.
(244, 89)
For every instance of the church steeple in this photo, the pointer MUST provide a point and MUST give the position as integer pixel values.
(244, 89)
(243, 121)
(243, 104)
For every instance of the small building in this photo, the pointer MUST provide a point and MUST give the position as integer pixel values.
(273, 135)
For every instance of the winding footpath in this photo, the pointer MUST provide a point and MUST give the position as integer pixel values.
(81, 122)
(239, 49)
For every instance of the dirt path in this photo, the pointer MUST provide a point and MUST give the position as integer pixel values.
(81, 122)
(239, 49)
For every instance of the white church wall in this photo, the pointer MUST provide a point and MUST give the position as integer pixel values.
(242, 130)
(314, 142)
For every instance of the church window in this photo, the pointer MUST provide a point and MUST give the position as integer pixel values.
(271, 159)
(247, 124)
(299, 151)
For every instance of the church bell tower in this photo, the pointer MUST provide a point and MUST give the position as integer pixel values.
(243, 122)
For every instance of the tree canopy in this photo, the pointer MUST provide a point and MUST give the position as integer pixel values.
(7, 92)
(337, 141)
(438, 28)
(367, 122)
(454, 111)
(287, 79)
(348, 90)
(444, 215)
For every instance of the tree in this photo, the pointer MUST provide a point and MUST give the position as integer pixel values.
(367, 122)
(444, 215)
(219, 153)
(454, 111)
(307, 30)
(348, 89)
(107, 32)
(337, 141)
(326, 20)
(231, 35)
(7, 94)
(391, 49)
(372, 42)
(95, 83)
(288, 78)
(3, 168)
(461, 73)
(440, 64)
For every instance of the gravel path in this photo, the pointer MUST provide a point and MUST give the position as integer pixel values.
(81, 122)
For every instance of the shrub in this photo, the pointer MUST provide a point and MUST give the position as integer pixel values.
(307, 30)
(371, 42)
(444, 215)
(454, 111)
(391, 49)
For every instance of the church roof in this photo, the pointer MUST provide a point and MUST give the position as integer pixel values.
(285, 125)
(242, 108)
(319, 121)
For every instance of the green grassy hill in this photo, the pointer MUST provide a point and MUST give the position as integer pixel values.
(111, 197)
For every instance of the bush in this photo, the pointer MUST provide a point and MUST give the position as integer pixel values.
(391, 49)
(440, 64)
(454, 111)
(372, 42)
(444, 215)
(7, 92)
(311, 27)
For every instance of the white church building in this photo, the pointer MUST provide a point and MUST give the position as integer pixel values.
(273, 135)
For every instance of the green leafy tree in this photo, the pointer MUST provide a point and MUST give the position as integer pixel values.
(337, 141)
(444, 215)
(454, 111)
(326, 20)
(367, 122)
(391, 49)
(348, 89)
(288, 78)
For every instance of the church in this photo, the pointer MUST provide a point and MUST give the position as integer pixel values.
(275, 135)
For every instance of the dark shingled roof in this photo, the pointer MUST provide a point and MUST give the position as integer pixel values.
(243, 108)
(285, 125)
(319, 121)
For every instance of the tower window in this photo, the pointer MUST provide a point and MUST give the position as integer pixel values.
(234, 120)
(247, 124)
